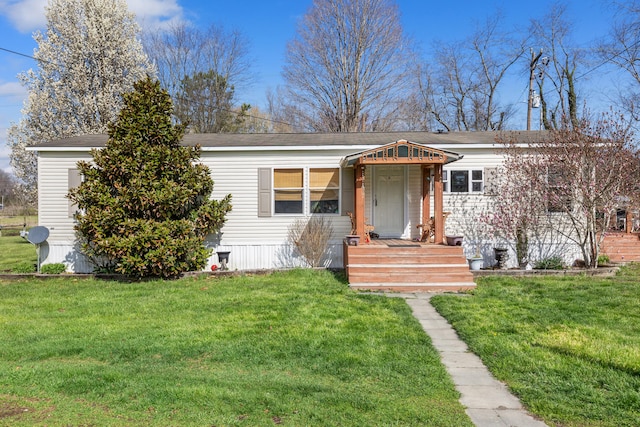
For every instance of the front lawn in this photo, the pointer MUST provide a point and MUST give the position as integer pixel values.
(17, 255)
(569, 347)
(291, 349)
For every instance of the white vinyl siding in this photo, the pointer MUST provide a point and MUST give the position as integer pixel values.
(56, 177)
(255, 236)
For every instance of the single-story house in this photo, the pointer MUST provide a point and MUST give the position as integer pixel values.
(391, 182)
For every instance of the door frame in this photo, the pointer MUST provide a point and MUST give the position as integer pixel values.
(405, 205)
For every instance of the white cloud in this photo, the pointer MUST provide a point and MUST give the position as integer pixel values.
(152, 14)
(4, 153)
(28, 15)
(13, 90)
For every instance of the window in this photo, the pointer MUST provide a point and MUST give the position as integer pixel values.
(476, 181)
(459, 181)
(558, 193)
(288, 188)
(316, 188)
(324, 190)
(463, 181)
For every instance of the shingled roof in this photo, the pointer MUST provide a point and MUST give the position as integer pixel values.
(223, 140)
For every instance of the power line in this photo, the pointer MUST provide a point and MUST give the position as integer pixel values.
(20, 54)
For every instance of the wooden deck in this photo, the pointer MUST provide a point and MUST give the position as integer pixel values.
(621, 246)
(407, 266)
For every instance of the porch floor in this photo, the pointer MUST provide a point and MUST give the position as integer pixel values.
(406, 266)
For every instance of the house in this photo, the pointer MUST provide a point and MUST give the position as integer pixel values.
(392, 181)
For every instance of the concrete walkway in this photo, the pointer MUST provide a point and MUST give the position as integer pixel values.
(488, 402)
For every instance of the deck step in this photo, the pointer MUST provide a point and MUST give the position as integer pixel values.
(407, 266)
(415, 287)
(621, 247)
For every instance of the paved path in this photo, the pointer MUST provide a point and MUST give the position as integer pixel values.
(488, 402)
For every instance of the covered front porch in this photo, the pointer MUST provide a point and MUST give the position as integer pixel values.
(384, 207)
(398, 198)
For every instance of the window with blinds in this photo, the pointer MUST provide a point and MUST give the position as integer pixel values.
(288, 187)
(324, 190)
(316, 188)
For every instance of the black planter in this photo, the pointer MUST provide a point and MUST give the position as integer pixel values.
(501, 255)
(223, 257)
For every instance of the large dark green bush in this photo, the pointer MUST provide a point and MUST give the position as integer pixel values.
(144, 204)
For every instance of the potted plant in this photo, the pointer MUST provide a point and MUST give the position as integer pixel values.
(501, 255)
(352, 239)
(476, 262)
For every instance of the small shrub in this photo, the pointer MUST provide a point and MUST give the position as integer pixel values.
(24, 267)
(551, 263)
(603, 260)
(57, 268)
(311, 238)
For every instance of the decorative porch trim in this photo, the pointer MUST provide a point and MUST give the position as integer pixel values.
(402, 152)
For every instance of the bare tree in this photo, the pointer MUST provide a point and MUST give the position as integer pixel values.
(622, 49)
(193, 62)
(7, 187)
(461, 91)
(346, 68)
(552, 34)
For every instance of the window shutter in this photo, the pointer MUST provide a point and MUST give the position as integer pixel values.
(491, 181)
(74, 180)
(264, 192)
(348, 185)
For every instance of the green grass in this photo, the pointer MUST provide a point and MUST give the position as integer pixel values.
(293, 349)
(16, 252)
(568, 347)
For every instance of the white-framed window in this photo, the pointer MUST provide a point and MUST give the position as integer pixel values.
(558, 192)
(298, 191)
(463, 180)
(288, 189)
(324, 190)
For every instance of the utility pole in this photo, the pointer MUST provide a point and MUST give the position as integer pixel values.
(532, 69)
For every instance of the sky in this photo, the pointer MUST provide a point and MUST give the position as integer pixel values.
(269, 24)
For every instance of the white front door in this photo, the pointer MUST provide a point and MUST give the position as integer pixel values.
(388, 201)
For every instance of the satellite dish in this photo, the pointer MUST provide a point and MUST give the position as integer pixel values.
(38, 234)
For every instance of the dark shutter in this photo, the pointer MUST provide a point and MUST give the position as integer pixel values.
(348, 185)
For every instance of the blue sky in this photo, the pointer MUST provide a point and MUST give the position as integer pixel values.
(269, 24)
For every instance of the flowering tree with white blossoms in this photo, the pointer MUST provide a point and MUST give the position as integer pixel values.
(89, 56)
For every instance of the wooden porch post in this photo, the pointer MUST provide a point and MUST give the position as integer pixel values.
(358, 205)
(426, 194)
(629, 221)
(437, 204)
